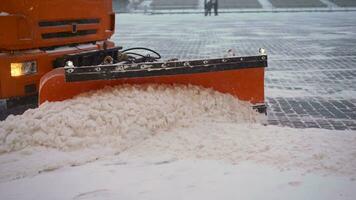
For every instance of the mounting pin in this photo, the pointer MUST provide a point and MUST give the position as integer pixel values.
(69, 64)
(262, 51)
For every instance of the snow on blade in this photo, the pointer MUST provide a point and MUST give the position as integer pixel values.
(107, 122)
(110, 116)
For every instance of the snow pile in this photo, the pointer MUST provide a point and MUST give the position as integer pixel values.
(118, 117)
(160, 124)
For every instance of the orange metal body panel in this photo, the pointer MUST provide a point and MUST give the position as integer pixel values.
(28, 21)
(245, 84)
(11, 87)
(29, 25)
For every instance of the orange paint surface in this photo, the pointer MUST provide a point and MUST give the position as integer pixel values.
(244, 84)
(27, 22)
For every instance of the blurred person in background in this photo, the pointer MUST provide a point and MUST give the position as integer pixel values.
(215, 3)
(207, 7)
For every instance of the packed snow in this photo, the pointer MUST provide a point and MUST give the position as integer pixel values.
(168, 142)
(183, 179)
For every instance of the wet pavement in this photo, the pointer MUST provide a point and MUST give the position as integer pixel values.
(311, 78)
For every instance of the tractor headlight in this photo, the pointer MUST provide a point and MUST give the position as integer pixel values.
(24, 68)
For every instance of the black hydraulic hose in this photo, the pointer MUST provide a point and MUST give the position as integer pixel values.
(142, 48)
(136, 54)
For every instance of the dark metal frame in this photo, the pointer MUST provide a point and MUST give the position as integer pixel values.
(260, 108)
(86, 58)
(116, 71)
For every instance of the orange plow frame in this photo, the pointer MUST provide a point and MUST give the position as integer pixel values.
(245, 84)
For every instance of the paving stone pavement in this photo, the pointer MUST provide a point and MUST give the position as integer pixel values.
(311, 78)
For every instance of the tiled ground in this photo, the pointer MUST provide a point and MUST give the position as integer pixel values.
(296, 3)
(344, 3)
(311, 78)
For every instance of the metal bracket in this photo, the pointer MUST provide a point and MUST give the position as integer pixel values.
(87, 58)
(260, 108)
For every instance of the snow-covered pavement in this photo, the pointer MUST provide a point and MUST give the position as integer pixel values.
(175, 142)
(208, 180)
(201, 161)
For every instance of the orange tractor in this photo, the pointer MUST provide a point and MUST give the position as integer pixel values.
(57, 49)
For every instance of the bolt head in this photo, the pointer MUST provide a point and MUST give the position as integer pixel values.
(262, 51)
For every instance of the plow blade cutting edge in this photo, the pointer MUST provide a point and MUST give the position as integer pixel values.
(242, 77)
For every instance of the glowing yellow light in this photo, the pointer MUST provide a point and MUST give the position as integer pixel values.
(16, 69)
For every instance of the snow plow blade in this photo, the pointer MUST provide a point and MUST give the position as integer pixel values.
(242, 77)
